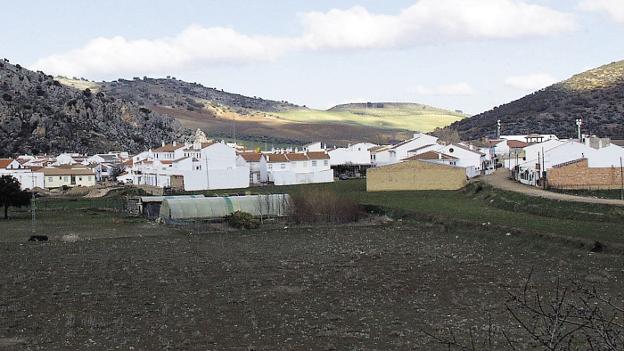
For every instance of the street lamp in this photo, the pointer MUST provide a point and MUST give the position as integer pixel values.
(579, 123)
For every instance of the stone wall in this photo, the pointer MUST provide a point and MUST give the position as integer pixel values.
(415, 175)
(578, 175)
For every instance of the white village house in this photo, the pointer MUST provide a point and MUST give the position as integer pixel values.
(357, 154)
(24, 175)
(192, 167)
(396, 153)
(291, 168)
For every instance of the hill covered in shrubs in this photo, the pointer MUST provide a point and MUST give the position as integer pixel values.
(596, 96)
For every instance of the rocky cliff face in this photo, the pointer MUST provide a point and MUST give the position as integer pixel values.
(38, 114)
(596, 96)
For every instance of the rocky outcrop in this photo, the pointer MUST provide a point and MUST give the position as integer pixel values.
(38, 114)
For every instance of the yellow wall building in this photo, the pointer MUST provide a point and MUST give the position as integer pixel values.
(58, 177)
(415, 175)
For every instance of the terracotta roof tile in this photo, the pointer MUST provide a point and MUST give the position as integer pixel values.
(169, 148)
(251, 156)
(65, 171)
(276, 158)
(318, 155)
(296, 156)
(431, 155)
(5, 162)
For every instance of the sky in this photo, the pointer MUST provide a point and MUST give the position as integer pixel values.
(469, 55)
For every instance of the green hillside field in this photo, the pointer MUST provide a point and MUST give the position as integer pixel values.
(414, 117)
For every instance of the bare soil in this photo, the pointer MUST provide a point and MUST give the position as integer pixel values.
(327, 288)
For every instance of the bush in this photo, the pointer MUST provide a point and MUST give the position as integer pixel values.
(240, 220)
(324, 206)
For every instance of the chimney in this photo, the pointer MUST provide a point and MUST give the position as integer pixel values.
(174, 143)
(162, 143)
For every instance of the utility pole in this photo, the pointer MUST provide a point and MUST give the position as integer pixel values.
(33, 207)
(544, 168)
(621, 180)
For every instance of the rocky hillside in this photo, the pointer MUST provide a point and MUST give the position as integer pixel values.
(38, 114)
(596, 96)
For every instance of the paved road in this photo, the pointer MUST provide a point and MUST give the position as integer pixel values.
(501, 181)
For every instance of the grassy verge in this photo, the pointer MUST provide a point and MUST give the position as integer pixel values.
(478, 204)
(601, 194)
(475, 205)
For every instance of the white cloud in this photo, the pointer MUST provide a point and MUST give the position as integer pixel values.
(194, 46)
(429, 20)
(530, 81)
(354, 28)
(613, 8)
(453, 89)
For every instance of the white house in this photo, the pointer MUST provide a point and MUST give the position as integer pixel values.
(530, 138)
(314, 147)
(357, 154)
(102, 158)
(296, 168)
(400, 151)
(471, 158)
(252, 160)
(25, 176)
(192, 167)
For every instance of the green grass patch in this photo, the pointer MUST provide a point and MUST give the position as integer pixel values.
(601, 194)
(412, 117)
(479, 205)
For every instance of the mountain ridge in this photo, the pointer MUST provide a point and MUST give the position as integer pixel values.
(596, 96)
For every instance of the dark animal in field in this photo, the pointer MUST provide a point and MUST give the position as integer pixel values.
(38, 238)
(597, 247)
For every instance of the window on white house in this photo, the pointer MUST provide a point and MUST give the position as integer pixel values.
(80, 179)
(283, 166)
(326, 163)
(270, 166)
(314, 163)
(66, 178)
(49, 179)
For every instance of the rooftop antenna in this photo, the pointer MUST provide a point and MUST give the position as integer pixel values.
(579, 124)
(498, 129)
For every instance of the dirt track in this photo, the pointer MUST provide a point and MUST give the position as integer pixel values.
(500, 179)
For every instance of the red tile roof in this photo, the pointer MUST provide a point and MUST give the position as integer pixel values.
(276, 158)
(169, 148)
(66, 171)
(296, 156)
(251, 156)
(318, 155)
(431, 155)
(515, 144)
(5, 162)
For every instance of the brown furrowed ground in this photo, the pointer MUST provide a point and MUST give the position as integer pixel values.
(324, 288)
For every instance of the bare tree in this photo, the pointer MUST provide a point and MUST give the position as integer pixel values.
(565, 318)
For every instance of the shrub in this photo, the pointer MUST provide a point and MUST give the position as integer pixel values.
(240, 220)
(324, 206)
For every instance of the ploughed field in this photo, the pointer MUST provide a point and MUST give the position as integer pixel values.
(365, 287)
